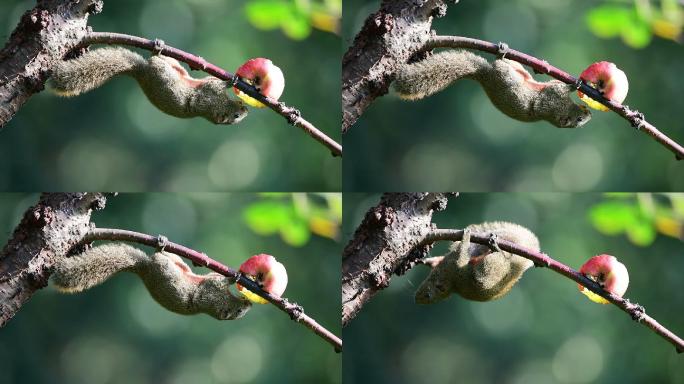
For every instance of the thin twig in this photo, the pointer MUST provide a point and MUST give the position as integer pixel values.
(635, 118)
(636, 311)
(292, 115)
(295, 311)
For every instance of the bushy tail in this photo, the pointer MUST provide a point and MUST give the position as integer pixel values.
(92, 267)
(436, 72)
(92, 69)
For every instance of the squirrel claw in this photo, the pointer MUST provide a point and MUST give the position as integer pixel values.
(162, 242)
(502, 49)
(159, 45)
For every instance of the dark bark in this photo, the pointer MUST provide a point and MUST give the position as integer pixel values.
(43, 36)
(47, 232)
(389, 37)
(385, 243)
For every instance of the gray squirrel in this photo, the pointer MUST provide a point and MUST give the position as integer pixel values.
(474, 271)
(164, 81)
(508, 85)
(168, 279)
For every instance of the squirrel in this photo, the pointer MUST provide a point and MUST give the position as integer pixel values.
(164, 81)
(476, 272)
(508, 85)
(168, 279)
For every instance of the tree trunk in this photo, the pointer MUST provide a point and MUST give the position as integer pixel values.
(383, 245)
(389, 37)
(44, 35)
(46, 233)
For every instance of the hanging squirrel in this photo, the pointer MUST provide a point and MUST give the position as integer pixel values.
(476, 272)
(508, 85)
(168, 279)
(164, 81)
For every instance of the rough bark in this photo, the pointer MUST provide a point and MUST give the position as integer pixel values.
(389, 37)
(47, 232)
(386, 243)
(43, 36)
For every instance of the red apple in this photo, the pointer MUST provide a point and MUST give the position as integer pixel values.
(266, 271)
(264, 76)
(608, 79)
(609, 273)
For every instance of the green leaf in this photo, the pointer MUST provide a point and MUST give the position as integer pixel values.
(613, 217)
(641, 233)
(637, 33)
(267, 217)
(608, 20)
(296, 26)
(267, 14)
(296, 232)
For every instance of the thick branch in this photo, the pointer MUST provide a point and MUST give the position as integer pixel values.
(295, 311)
(636, 311)
(46, 233)
(635, 118)
(42, 37)
(388, 38)
(382, 245)
(292, 115)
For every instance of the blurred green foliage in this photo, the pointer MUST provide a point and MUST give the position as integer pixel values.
(640, 216)
(637, 21)
(114, 139)
(115, 333)
(457, 140)
(295, 18)
(296, 216)
(544, 331)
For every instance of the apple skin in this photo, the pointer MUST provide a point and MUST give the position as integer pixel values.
(266, 271)
(607, 78)
(609, 273)
(264, 76)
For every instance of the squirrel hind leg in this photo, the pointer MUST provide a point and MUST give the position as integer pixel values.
(434, 73)
(91, 70)
(94, 266)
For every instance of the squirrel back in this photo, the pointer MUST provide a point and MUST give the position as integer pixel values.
(164, 81)
(169, 280)
(474, 271)
(507, 84)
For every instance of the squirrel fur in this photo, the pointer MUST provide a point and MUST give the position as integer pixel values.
(164, 81)
(476, 272)
(166, 276)
(508, 85)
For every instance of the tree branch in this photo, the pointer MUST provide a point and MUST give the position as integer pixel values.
(42, 37)
(46, 233)
(382, 244)
(292, 115)
(388, 38)
(295, 311)
(635, 118)
(636, 311)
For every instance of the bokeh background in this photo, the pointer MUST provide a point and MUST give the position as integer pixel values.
(116, 333)
(457, 140)
(544, 330)
(114, 139)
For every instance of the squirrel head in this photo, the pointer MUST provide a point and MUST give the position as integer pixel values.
(558, 108)
(214, 293)
(212, 98)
